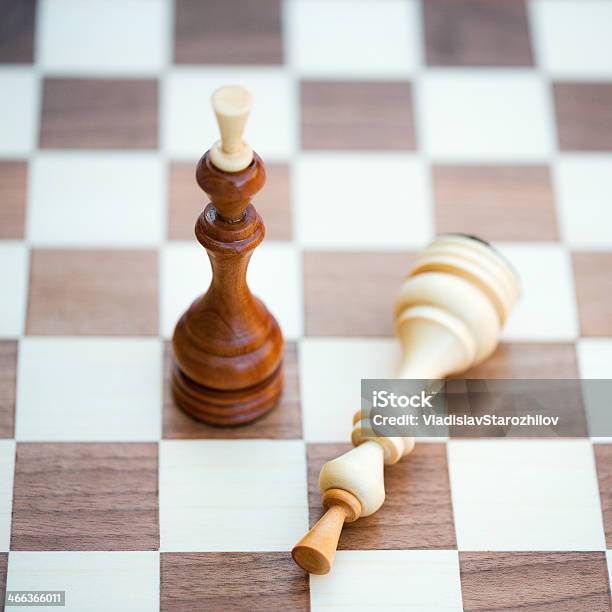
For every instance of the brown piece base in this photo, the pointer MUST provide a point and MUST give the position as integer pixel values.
(226, 408)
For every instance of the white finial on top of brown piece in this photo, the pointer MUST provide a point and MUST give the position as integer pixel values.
(232, 105)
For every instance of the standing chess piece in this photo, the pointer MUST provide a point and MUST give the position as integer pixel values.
(227, 346)
(449, 315)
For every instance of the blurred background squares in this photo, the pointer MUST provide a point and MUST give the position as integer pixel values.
(584, 115)
(583, 185)
(593, 279)
(102, 36)
(7, 468)
(372, 39)
(501, 202)
(477, 33)
(513, 495)
(13, 190)
(429, 577)
(18, 111)
(524, 360)
(331, 276)
(93, 292)
(56, 376)
(17, 31)
(99, 199)
(103, 506)
(228, 32)
(523, 580)
(8, 384)
(485, 115)
(14, 259)
(93, 581)
(603, 460)
(72, 204)
(595, 357)
(188, 121)
(547, 308)
(99, 114)
(232, 495)
(573, 37)
(345, 189)
(334, 115)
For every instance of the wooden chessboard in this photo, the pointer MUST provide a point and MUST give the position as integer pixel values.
(382, 123)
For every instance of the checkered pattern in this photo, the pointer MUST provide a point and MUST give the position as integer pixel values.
(382, 123)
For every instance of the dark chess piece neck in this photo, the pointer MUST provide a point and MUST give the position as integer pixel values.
(227, 346)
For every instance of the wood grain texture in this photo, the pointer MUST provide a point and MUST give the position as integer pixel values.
(477, 33)
(284, 422)
(357, 115)
(222, 582)
(99, 114)
(17, 19)
(228, 32)
(227, 346)
(8, 382)
(186, 202)
(593, 283)
(495, 202)
(584, 116)
(365, 284)
(528, 360)
(534, 581)
(417, 513)
(603, 461)
(85, 497)
(13, 188)
(93, 292)
(3, 569)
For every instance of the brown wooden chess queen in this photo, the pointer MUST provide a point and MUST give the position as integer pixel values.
(227, 347)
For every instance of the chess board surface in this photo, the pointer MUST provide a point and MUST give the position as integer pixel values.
(382, 123)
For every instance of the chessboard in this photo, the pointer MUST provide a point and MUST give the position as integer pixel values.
(382, 123)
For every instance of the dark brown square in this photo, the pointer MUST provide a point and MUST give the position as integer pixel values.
(544, 360)
(352, 294)
(231, 581)
(357, 115)
(17, 31)
(603, 461)
(13, 188)
(285, 421)
(542, 581)
(228, 32)
(495, 202)
(85, 497)
(477, 33)
(593, 280)
(8, 381)
(584, 116)
(99, 114)
(187, 201)
(417, 513)
(3, 568)
(97, 292)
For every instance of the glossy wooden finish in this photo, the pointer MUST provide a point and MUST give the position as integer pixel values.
(227, 346)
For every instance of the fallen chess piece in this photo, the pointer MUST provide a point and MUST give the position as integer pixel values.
(449, 315)
(227, 347)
